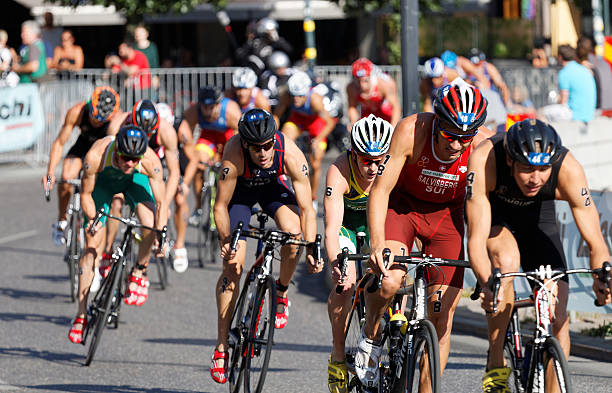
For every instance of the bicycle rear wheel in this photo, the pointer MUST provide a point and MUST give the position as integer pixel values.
(204, 229)
(556, 369)
(423, 367)
(259, 340)
(102, 304)
(515, 382)
(236, 340)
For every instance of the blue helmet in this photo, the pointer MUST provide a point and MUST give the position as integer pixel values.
(449, 58)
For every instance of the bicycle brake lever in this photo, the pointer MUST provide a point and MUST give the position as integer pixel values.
(343, 261)
(236, 236)
(494, 284)
(378, 282)
(47, 190)
(96, 221)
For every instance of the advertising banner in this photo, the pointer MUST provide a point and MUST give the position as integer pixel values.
(21, 117)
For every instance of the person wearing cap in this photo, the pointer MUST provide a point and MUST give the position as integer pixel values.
(217, 117)
(121, 164)
(93, 118)
(307, 114)
(371, 92)
(437, 75)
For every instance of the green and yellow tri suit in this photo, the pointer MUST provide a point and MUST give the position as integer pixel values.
(355, 219)
(135, 186)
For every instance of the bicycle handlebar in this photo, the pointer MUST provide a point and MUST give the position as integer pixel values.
(162, 233)
(48, 189)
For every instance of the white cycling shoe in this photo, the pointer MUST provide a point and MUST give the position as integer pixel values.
(180, 262)
(59, 239)
(96, 282)
(366, 361)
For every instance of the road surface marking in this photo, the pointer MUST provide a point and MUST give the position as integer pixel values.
(17, 236)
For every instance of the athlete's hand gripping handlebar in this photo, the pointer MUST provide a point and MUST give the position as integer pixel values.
(317, 249)
(236, 236)
(96, 221)
(604, 276)
(342, 264)
(494, 284)
(377, 283)
(48, 189)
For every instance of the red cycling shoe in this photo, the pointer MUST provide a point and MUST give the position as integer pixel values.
(219, 374)
(282, 317)
(139, 296)
(76, 335)
(105, 265)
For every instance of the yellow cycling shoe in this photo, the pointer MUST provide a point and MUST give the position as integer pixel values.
(496, 380)
(338, 378)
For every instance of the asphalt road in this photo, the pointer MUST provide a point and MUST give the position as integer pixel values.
(164, 346)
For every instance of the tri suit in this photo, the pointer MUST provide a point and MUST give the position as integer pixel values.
(375, 103)
(89, 134)
(354, 219)
(213, 133)
(307, 120)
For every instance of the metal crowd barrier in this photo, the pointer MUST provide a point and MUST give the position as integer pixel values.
(179, 88)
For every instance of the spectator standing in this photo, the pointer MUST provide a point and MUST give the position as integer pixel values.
(601, 72)
(51, 36)
(32, 65)
(134, 64)
(578, 96)
(7, 77)
(141, 35)
(68, 56)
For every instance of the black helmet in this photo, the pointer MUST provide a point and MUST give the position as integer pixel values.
(533, 142)
(256, 126)
(132, 141)
(144, 115)
(476, 55)
(103, 103)
(209, 95)
(461, 105)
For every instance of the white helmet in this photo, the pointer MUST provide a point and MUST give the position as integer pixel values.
(371, 136)
(277, 60)
(299, 84)
(165, 112)
(244, 78)
(434, 67)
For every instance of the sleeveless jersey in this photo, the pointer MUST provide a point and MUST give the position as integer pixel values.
(303, 114)
(88, 130)
(256, 176)
(509, 202)
(433, 180)
(112, 175)
(355, 200)
(375, 104)
(219, 125)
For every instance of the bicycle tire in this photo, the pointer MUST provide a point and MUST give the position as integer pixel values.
(110, 286)
(261, 334)
(515, 382)
(235, 371)
(425, 343)
(204, 228)
(73, 257)
(162, 271)
(352, 334)
(551, 352)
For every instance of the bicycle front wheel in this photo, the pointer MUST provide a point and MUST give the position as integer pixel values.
(352, 334)
(259, 340)
(422, 369)
(555, 369)
(237, 333)
(515, 381)
(102, 304)
(74, 253)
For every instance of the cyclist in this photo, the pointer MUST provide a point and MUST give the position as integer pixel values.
(373, 92)
(245, 92)
(162, 139)
(437, 75)
(254, 167)
(349, 181)
(513, 181)
(120, 164)
(419, 193)
(93, 118)
(307, 114)
(217, 118)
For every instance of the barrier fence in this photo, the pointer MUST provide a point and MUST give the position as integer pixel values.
(179, 88)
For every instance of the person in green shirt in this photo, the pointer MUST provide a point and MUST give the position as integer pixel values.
(33, 65)
(141, 35)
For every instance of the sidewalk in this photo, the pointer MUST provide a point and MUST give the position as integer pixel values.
(470, 318)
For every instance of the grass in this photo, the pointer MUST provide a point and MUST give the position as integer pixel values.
(603, 330)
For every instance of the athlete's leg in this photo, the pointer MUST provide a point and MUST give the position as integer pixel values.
(205, 151)
(288, 220)
(112, 226)
(145, 212)
(317, 151)
(561, 322)
(181, 214)
(93, 248)
(443, 300)
(504, 254)
(70, 170)
(290, 130)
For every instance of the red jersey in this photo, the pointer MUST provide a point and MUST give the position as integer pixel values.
(433, 180)
(375, 104)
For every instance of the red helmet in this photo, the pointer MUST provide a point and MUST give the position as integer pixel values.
(461, 105)
(362, 67)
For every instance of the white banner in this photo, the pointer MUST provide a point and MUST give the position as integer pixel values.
(21, 117)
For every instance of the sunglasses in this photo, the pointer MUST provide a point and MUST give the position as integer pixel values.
(256, 148)
(368, 161)
(127, 158)
(451, 136)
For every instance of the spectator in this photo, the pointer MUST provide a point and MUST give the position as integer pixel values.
(134, 64)
(7, 77)
(68, 56)
(33, 65)
(51, 36)
(539, 58)
(601, 72)
(578, 93)
(141, 35)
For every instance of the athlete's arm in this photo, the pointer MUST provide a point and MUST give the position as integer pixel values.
(185, 137)
(390, 92)
(261, 101)
(401, 147)
(480, 180)
(352, 94)
(170, 143)
(233, 114)
(335, 187)
(499, 82)
(153, 167)
(92, 165)
(316, 101)
(117, 121)
(58, 144)
(232, 160)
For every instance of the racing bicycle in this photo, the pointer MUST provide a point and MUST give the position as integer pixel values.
(208, 237)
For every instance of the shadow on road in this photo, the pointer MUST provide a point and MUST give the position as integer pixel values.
(30, 251)
(279, 346)
(37, 295)
(81, 388)
(49, 278)
(312, 285)
(10, 317)
(55, 357)
(464, 366)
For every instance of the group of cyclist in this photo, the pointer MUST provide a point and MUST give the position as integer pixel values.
(404, 182)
